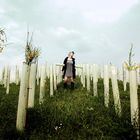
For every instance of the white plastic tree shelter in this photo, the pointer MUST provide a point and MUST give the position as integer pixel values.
(8, 80)
(95, 79)
(54, 77)
(134, 100)
(106, 85)
(42, 84)
(51, 81)
(115, 88)
(17, 79)
(32, 84)
(87, 78)
(23, 96)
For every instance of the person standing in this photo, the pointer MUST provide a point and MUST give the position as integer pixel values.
(69, 71)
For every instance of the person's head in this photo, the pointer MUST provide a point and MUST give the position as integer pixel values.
(72, 53)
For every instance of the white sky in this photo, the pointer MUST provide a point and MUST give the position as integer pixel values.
(99, 31)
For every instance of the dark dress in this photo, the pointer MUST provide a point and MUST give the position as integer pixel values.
(69, 68)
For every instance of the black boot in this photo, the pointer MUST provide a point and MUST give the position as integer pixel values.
(72, 85)
(65, 85)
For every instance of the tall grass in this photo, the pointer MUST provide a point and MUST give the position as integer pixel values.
(69, 115)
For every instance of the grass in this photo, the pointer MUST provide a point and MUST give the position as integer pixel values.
(69, 115)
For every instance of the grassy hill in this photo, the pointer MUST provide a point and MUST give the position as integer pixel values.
(69, 115)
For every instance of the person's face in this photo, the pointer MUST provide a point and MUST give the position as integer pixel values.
(70, 54)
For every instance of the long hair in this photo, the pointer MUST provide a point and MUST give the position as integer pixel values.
(69, 54)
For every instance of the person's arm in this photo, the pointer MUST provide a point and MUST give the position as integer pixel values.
(74, 69)
(74, 62)
(63, 68)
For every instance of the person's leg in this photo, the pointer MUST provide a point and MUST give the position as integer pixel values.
(72, 79)
(65, 79)
(65, 82)
(72, 83)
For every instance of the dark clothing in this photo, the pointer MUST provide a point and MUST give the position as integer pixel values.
(65, 67)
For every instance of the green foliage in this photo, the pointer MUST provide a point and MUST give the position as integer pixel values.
(31, 54)
(3, 34)
(3, 39)
(129, 65)
(69, 115)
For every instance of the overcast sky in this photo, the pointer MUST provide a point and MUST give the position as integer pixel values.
(99, 31)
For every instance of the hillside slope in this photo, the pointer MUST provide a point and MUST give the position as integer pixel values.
(69, 115)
